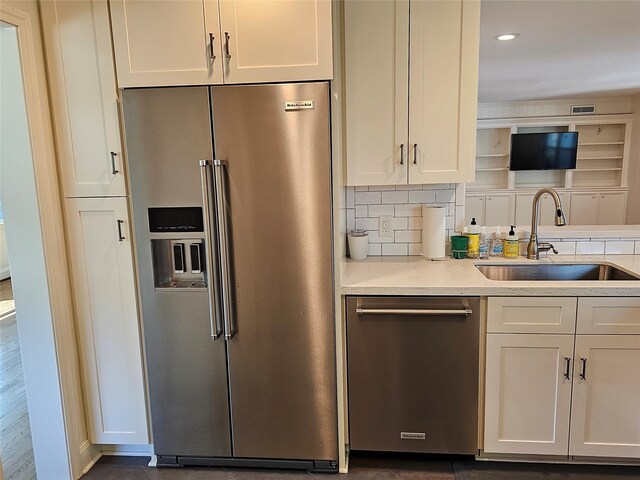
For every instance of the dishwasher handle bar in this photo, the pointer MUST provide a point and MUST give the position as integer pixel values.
(414, 311)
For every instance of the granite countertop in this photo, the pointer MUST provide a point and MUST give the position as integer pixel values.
(417, 276)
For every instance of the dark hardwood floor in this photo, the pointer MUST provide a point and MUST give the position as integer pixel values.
(16, 452)
(369, 467)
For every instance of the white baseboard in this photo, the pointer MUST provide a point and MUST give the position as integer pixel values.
(5, 273)
(89, 455)
(128, 450)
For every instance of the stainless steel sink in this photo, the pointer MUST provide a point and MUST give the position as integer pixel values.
(555, 272)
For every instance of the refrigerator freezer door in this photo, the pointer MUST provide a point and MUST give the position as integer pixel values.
(168, 130)
(276, 144)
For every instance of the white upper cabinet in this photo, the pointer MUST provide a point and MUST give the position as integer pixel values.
(377, 40)
(411, 102)
(276, 40)
(166, 42)
(443, 90)
(84, 97)
(196, 42)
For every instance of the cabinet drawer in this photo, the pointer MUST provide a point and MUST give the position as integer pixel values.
(531, 315)
(603, 315)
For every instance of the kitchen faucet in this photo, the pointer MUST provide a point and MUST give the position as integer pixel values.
(534, 247)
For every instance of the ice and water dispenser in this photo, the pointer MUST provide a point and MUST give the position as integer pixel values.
(177, 248)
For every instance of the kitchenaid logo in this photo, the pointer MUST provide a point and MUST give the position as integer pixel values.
(298, 105)
(412, 436)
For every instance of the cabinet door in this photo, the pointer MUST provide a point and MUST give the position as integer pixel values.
(169, 42)
(499, 209)
(84, 97)
(474, 208)
(609, 315)
(612, 208)
(524, 207)
(527, 394)
(443, 90)
(107, 316)
(584, 208)
(548, 208)
(276, 40)
(605, 416)
(376, 40)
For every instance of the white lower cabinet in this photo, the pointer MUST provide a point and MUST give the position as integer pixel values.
(105, 301)
(605, 415)
(524, 208)
(563, 394)
(528, 395)
(491, 210)
(598, 208)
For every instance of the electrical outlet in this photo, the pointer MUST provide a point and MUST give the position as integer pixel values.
(385, 227)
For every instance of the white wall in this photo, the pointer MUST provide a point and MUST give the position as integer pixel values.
(633, 202)
(30, 287)
(4, 255)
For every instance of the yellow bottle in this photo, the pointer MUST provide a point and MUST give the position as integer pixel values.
(473, 247)
(511, 244)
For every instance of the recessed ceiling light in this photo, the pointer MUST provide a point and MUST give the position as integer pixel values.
(507, 36)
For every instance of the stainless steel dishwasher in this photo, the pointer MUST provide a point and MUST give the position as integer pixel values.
(413, 374)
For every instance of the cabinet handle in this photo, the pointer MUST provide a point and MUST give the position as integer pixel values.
(120, 236)
(583, 371)
(212, 53)
(415, 153)
(113, 163)
(226, 45)
(402, 154)
(567, 368)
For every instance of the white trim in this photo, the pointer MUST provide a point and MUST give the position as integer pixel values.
(128, 450)
(51, 220)
(5, 273)
(89, 455)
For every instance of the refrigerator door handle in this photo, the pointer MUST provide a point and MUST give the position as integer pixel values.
(222, 206)
(210, 249)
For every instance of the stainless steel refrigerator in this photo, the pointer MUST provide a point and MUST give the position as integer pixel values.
(231, 200)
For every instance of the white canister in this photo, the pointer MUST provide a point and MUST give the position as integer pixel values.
(358, 244)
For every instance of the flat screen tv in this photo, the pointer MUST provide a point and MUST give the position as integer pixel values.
(543, 151)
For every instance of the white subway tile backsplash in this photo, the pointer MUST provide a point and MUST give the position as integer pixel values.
(351, 195)
(367, 223)
(408, 210)
(401, 223)
(362, 210)
(395, 197)
(404, 204)
(368, 197)
(415, 223)
(445, 196)
(450, 223)
(375, 249)
(637, 250)
(394, 249)
(377, 210)
(589, 248)
(422, 196)
(619, 248)
(374, 237)
(565, 248)
(460, 192)
(351, 219)
(408, 236)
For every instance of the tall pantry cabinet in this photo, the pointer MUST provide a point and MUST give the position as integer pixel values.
(411, 74)
(87, 132)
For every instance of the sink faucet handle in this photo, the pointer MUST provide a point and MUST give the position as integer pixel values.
(546, 246)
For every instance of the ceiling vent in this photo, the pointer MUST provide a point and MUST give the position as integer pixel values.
(582, 109)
